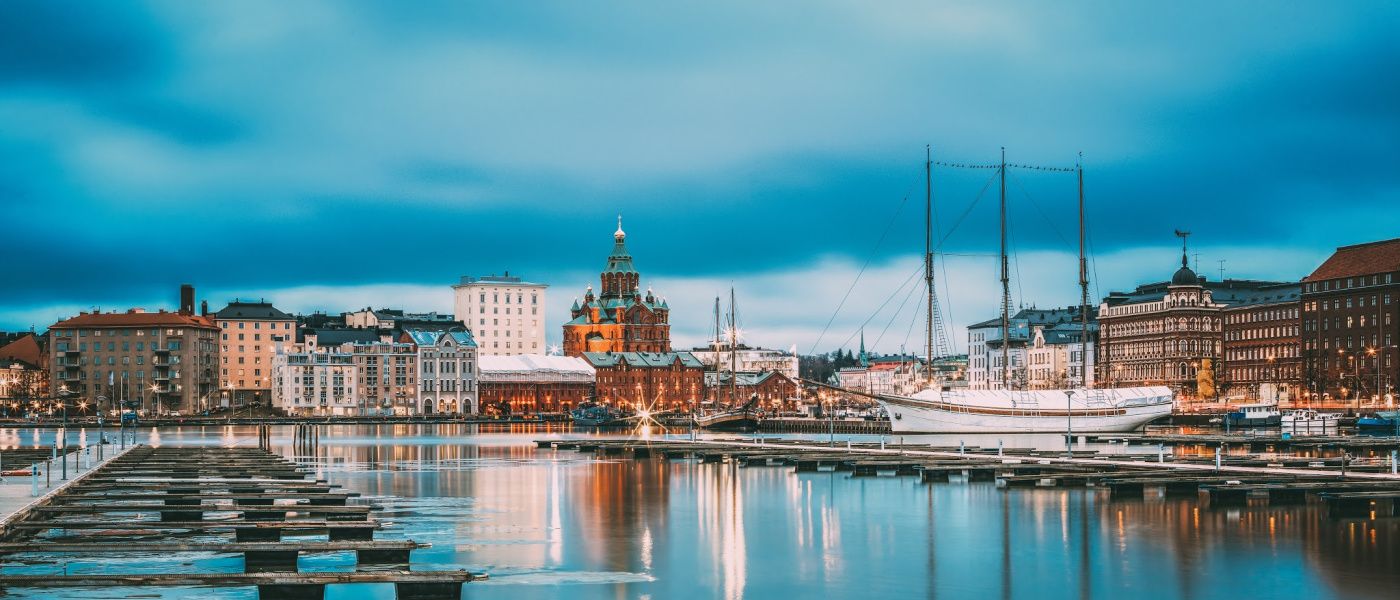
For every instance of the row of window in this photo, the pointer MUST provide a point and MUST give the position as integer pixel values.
(1350, 282)
(286, 326)
(519, 298)
(1256, 316)
(1337, 303)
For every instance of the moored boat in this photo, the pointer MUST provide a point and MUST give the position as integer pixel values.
(1308, 420)
(596, 415)
(1260, 414)
(1042, 411)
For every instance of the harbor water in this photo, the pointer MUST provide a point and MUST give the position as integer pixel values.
(547, 523)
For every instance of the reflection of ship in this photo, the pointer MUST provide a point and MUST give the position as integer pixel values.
(1261, 414)
(590, 414)
(934, 410)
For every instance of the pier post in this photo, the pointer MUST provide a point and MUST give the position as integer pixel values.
(34, 480)
(1392, 463)
(999, 448)
(1161, 453)
(1217, 458)
(962, 448)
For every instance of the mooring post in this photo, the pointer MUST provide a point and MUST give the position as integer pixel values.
(962, 447)
(1217, 457)
(34, 480)
(999, 446)
(1392, 462)
(882, 442)
(1161, 453)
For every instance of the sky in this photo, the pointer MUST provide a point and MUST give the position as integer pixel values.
(336, 155)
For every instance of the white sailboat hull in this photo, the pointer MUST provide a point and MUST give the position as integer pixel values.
(1107, 411)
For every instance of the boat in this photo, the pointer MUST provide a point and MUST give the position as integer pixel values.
(1377, 421)
(1259, 414)
(731, 415)
(935, 410)
(592, 414)
(1308, 420)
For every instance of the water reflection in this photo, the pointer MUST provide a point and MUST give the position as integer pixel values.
(563, 524)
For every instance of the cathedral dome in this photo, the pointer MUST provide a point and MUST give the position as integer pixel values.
(1185, 276)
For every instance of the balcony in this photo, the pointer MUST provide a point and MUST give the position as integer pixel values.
(71, 351)
(161, 350)
(68, 375)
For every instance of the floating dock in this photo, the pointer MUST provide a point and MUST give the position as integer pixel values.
(154, 500)
(1350, 489)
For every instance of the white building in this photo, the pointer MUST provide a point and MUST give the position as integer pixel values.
(750, 360)
(448, 371)
(984, 346)
(319, 382)
(504, 313)
(1053, 360)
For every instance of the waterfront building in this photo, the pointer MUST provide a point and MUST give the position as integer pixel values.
(1350, 323)
(659, 380)
(504, 313)
(246, 348)
(24, 371)
(620, 318)
(394, 319)
(1263, 348)
(984, 345)
(160, 361)
(1170, 333)
(315, 381)
(386, 374)
(775, 390)
(447, 371)
(1055, 357)
(534, 383)
(749, 360)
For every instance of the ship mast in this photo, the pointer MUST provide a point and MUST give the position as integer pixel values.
(733, 351)
(1083, 285)
(928, 257)
(1005, 287)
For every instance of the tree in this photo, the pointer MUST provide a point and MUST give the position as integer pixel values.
(1205, 379)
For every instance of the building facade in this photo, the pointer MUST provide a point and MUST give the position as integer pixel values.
(749, 360)
(620, 318)
(654, 380)
(504, 313)
(447, 371)
(1056, 359)
(316, 382)
(1350, 325)
(386, 375)
(156, 362)
(1263, 347)
(984, 345)
(247, 345)
(776, 391)
(534, 383)
(24, 373)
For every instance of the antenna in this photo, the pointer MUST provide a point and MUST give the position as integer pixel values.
(1222, 269)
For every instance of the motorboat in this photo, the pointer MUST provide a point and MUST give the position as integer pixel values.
(1260, 414)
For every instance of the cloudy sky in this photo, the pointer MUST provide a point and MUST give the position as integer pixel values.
(329, 156)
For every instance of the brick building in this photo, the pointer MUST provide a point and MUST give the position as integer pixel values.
(534, 383)
(24, 372)
(620, 318)
(775, 390)
(1350, 325)
(1166, 333)
(1263, 358)
(160, 361)
(660, 380)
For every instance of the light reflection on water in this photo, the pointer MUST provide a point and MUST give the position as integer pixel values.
(561, 524)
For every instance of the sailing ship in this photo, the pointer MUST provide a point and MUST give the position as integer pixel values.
(732, 415)
(936, 410)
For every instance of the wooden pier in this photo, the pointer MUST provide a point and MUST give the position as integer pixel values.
(1347, 491)
(152, 500)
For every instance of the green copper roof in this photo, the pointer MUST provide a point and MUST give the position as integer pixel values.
(620, 261)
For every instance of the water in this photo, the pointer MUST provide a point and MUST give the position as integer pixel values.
(560, 524)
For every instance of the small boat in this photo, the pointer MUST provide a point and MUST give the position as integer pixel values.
(1261, 414)
(1308, 420)
(590, 414)
(743, 419)
(1375, 421)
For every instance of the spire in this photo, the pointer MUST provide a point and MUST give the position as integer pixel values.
(619, 235)
(620, 261)
(864, 362)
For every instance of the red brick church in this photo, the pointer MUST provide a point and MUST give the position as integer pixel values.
(620, 318)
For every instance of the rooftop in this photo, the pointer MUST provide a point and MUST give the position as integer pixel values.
(264, 311)
(135, 318)
(1360, 259)
(534, 363)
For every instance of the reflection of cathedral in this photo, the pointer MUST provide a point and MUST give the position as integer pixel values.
(621, 318)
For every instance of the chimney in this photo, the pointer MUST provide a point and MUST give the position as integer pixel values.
(204, 308)
(186, 299)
